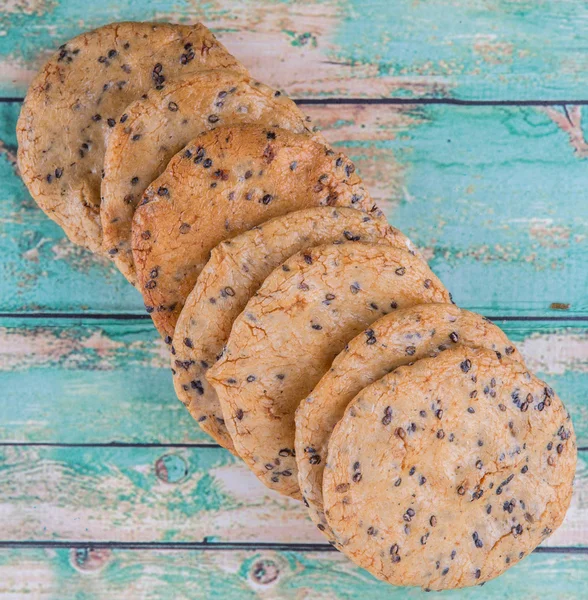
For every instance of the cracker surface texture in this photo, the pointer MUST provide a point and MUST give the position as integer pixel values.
(289, 333)
(223, 183)
(400, 338)
(78, 97)
(165, 122)
(446, 473)
(235, 271)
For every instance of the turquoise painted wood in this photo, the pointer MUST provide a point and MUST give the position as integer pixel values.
(469, 49)
(146, 494)
(495, 196)
(196, 575)
(76, 381)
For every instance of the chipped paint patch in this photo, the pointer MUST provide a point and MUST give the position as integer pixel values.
(27, 7)
(549, 235)
(10, 154)
(79, 258)
(19, 73)
(556, 353)
(24, 349)
(569, 120)
(492, 50)
(72, 348)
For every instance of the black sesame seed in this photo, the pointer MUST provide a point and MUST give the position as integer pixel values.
(315, 459)
(267, 198)
(453, 337)
(207, 163)
(196, 384)
(387, 418)
(172, 106)
(400, 271)
(466, 365)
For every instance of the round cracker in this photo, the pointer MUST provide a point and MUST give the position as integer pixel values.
(290, 331)
(166, 121)
(236, 269)
(224, 182)
(431, 481)
(397, 339)
(76, 99)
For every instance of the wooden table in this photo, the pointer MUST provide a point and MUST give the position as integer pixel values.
(465, 119)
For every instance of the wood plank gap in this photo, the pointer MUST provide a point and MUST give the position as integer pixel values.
(203, 445)
(403, 101)
(140, 317)
(109, 445)
(230, 546)
(77, 316)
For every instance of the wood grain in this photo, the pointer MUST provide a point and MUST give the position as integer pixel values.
(169, 495)
(469, 49)
(74, 381)
(154, 574)
(494, 195)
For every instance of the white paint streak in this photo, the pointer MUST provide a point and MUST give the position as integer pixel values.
(556, 353)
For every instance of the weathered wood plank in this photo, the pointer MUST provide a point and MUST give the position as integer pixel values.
(495, 196)
(138, 494)
(354, 48)
(70, 381)
(205, 575)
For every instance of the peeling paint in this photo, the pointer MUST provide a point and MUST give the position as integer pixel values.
(556, 353)
(570, 121)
